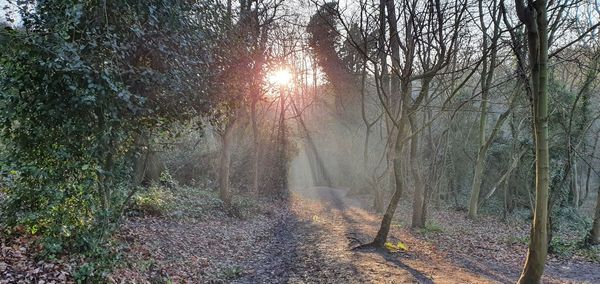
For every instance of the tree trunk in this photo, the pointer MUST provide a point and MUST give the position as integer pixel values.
(282, 143)
(487, 75)
(476, 185)
(386, 222)
(378, 200)
(255, 155)
(594, 237)
(588, 175)
(418, 214)
(140, 160)
(589, 168)
(224, 164)
(506, 201)
(395, 84)
(418, 219)
(574, 184)
(534, 16)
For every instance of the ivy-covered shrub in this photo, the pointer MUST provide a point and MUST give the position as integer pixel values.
(79, 83)
(67, 138)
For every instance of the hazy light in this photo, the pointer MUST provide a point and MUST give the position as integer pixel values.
(280, 77)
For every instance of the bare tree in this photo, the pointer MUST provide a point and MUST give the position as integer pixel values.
(534, 17)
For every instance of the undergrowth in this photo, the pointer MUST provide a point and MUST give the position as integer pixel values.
(190, 202)
(156, 200)
(232, 272)
(431, 228)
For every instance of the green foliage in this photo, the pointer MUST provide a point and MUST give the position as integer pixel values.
(155, 200)
(78, 82)
(168, 180)
(96, 263)
(591, 253)
(568, 248)
(561, 247)
(65, 141)
(192, 202)
(570, 219)
(144, 265)
(233, 272)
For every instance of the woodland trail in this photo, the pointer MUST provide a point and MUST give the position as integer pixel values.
(313, 245)
(309, 239)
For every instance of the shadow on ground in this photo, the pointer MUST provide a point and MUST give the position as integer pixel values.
(299, 252)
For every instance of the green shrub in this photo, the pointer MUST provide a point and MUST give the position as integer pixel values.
(591, 253)
(96, 263)
(561, 247)
(156, 200)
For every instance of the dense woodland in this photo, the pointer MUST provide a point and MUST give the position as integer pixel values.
(306, 141)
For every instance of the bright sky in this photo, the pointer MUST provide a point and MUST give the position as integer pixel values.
(10, 12)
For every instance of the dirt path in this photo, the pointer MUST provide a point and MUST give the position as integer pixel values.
(313, 245)
(309, 239)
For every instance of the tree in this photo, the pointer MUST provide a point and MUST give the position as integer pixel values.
(401, 85)
(490, 51)
(534, 17)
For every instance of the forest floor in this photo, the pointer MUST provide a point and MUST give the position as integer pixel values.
(308, 239)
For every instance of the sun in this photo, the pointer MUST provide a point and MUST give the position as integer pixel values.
(280, 77)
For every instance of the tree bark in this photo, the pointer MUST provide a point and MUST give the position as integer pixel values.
(575, 184)
(589, 168)
(476, 185)
(140, 161)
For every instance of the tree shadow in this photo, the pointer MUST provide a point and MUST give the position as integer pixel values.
(493, 271)
(293, 255)
(353, 232)
(396, 259)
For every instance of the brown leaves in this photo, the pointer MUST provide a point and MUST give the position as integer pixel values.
(18, 265)
(188, 249)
